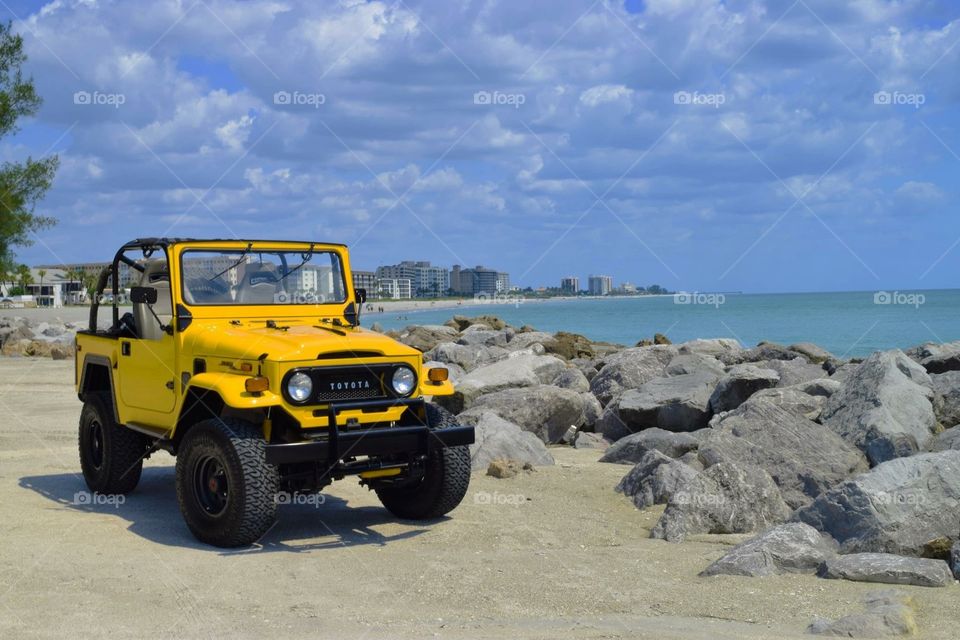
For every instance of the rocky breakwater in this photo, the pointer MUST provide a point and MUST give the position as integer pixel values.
(23, 337)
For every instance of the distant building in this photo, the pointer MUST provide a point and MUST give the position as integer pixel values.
(366, 280)
(478, 280)
(53, 288)
(600, 285)
(396, 288)
(91, 271)
(427, 280)
(570, 285)
(628, 287)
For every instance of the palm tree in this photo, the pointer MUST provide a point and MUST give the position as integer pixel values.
(23, 273)
(41, 273)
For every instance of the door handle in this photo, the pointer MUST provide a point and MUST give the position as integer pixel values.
(169, 384)
(125, 348)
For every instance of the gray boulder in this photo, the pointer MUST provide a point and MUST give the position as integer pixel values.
(510, 373)
(886, 613)
(498, 439)
(713, 347)
(792, 400)
(945, 440)
(572, 379)
(529, 338)
(887, 569)
(739, 383)
(944, 358)
(884, 407)
(677, 403)
(804, 458)
(793, 372)
(586, 440)
(725, 498)
(694, 363)
(897, 507)
(592, 410)
(825, 387)
(812, 352)
(946, 389)
(452, 353)
(787, 548)
(655, 479)
(630, 368)
(478, 335)
(544, 410)
(632, 448)
(426, 337)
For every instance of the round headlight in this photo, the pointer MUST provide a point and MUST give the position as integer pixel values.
(403, 381)
(299, 387)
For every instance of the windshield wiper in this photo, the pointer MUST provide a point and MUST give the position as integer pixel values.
(305, 258)
(242, 257)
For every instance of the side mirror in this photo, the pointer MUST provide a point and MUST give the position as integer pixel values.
(143, 295)
(361, 296)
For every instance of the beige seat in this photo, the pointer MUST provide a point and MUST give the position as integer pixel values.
(260, 284)
(157, 276)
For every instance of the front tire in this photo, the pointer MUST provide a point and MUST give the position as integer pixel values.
(111, 455)
(444, 483)
(226, 490)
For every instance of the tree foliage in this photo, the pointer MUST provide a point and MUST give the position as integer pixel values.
(22, 184)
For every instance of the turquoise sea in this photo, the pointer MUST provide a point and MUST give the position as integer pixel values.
(848, 324)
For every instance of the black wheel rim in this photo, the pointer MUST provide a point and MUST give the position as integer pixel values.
(95, 443)
(210, 485)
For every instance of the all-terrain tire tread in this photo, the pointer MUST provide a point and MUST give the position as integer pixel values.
(124, 448)
(260, 486)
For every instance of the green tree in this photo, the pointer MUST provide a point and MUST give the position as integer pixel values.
(22, 184)
(41, 273)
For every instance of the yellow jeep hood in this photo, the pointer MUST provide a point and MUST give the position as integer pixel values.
(297, 342)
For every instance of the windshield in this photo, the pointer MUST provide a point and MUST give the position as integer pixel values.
(251, 277)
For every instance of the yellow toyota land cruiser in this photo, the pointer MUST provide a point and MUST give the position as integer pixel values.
(246, 361)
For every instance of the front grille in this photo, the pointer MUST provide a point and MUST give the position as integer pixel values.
(348, 383)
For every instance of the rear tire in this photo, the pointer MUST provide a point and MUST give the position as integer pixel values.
(444, 483)
(226, 490)
(111, 455)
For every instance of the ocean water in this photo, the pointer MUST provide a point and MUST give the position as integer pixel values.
(849, 324)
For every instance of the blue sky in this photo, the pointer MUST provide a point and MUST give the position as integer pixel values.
(698, 144)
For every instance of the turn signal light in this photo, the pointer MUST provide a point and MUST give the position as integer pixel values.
(257, 384)
(437, 375)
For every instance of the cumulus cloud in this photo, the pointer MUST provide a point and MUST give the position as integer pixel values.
(656, 140)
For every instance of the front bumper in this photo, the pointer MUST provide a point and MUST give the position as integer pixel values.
(338, 444)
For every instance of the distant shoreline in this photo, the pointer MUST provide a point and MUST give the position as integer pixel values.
(419, 305)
